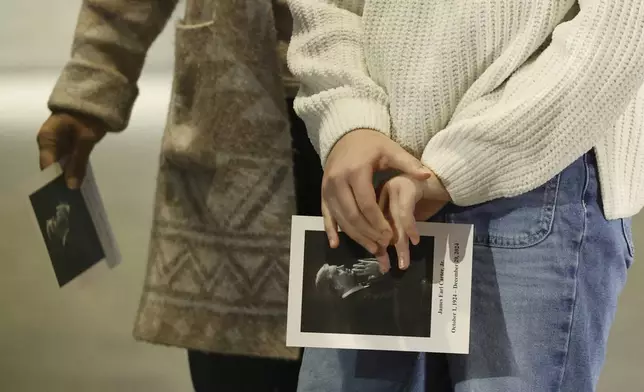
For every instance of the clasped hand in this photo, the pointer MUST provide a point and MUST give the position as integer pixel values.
(376, 221)
(405, 200)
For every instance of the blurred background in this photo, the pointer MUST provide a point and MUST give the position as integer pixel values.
(79, 338)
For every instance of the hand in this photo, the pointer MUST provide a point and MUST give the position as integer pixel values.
(348, 195)
(72, 136)
(369, 267)
(405, 201)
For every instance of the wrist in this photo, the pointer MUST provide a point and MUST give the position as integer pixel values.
(433, 189)
(88, 120)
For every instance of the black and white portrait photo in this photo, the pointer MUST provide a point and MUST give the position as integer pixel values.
(340, 298)
(67, 229)
(344, 291)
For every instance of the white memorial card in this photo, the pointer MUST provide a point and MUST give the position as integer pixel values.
(338, 298)
(73, 223)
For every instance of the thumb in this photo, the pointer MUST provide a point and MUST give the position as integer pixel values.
(397, 158)
(77, 165)
(47, 156)
(51, 141)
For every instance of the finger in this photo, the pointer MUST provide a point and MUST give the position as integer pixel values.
(406, 218)
(77, 165)
(383, 201)
(383, 260)
(348, 202)
(384, 207)
(402, 250)
(47, 157)
(54, 141)
(365, 196)
(47, 147)
(330, 226)
(368, 244)
(382, 257)
(402, 242)
(343, 207)
(395, 157)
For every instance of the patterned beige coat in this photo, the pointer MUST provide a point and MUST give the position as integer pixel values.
(218, 265)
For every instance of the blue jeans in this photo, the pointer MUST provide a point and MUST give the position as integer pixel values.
(548, 269)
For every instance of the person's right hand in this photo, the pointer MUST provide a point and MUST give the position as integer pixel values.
(70, 136)
(348, 194)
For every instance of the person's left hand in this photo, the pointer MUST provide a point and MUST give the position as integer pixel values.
(405, 200)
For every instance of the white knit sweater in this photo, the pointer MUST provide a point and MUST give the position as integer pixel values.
(495, 96)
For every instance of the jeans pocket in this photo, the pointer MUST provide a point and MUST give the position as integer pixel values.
(517, 222)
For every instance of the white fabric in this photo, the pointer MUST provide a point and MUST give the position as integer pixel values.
(495, 96)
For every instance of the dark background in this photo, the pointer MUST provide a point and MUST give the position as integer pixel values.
(83, 248)
(401, 306)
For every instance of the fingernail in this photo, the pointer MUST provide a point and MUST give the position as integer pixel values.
(401, 263)
(383, 261)
(384, 265)
(72, 183)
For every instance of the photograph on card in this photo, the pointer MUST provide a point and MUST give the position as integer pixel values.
(344, 290)
(67, 229)
(340, 298)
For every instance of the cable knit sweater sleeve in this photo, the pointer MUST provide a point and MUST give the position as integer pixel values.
(111, 40)
(336, 95)
(551, 112)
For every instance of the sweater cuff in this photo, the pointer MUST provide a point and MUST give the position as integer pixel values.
(342, 116)
(449, 166)
(466, 173)
(94, 91)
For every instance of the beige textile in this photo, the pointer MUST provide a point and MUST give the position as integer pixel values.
(218, 266)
